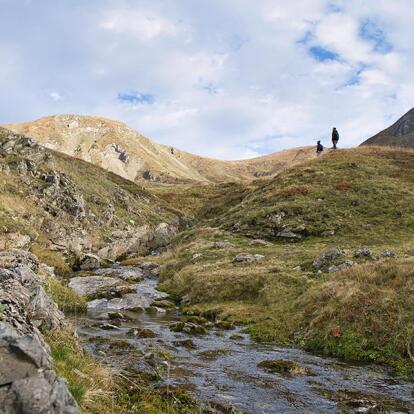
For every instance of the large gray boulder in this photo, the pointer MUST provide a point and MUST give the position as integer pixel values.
(99, 286)
(141, 240)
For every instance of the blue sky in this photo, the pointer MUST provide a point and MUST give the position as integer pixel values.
(228, 79)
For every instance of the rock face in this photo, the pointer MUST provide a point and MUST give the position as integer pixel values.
(140, 241)
(28, 383)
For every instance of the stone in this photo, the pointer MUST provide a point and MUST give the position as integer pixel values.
(14, 241)
(328, 233)
(277, 218)
(363, 252)
(222, 245)
(327, 257)
(89, 262)
(186, 343)
(342, 266)
(248, 258)
(283, 367)
(260, 242)
(188, 327)
(96, 287)
(289, 235)
(142, 240)
(387, 254)
(16, 257)
(134, 302)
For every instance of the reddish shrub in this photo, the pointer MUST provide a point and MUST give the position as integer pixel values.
(343, 185)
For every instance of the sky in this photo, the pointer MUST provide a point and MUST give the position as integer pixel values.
(229, 79)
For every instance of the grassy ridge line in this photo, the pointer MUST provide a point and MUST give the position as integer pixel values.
(366, 196)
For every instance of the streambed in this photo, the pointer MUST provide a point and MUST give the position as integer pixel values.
(220, 368)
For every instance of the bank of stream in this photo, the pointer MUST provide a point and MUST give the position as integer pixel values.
(226, 370)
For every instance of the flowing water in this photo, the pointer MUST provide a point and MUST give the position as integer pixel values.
(223, 368)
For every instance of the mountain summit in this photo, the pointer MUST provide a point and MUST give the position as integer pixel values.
(400, 134)
(116, 147)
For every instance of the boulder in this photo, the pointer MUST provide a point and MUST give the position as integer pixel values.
(14, 241)
(141, 240)
(328, 233)
(95, 287)
(327, 257)
(89, 262)
(222, 245)
(260, 242)
(387, 254)
(289, 235)
(15, 257)
(342, 266)
(364, 252)
(248, 258)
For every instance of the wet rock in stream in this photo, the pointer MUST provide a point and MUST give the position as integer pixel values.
(283, 367)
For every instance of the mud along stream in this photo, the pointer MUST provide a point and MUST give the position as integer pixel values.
(224, 368)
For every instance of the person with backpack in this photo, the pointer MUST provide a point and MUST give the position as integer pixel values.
(319, 148)
(335, 137)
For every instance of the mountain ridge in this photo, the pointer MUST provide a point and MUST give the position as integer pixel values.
(400, 133)
(120, 149)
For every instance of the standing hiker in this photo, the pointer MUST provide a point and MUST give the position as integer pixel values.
(335, 137)
(319, 148)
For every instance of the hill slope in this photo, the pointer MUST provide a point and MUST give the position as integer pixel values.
(400, 134)
(320, 257)
(114, 146)
(60, 207)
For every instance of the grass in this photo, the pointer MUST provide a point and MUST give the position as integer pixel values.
(68, 301)
(366, 196)
(98, 389)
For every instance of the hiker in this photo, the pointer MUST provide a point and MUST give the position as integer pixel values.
(319, 148)
(335, 137)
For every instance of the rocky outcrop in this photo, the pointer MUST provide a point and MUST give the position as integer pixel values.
(28, 383)
(141, 241)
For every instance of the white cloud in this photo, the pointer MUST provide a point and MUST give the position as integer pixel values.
(229, 78)
(143, 24)
(56, 96)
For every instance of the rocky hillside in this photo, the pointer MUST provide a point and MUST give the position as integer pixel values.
(28, 382)
(62, 208)
(400, 134)
(115, 147)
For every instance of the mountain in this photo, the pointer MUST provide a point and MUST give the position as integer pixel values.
(61, 208)
(114, 146)
(400, 134)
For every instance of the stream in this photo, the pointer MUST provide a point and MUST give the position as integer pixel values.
(220, 368)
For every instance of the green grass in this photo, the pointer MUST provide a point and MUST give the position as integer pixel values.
(367, 197)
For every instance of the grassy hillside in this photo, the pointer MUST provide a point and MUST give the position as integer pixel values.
(65, 205)
(122, 150)
(345, 201)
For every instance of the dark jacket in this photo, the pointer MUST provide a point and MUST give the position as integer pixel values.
(335, 135)
(319, 147)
